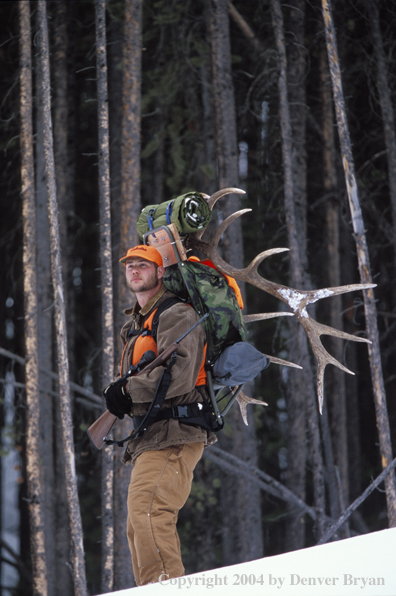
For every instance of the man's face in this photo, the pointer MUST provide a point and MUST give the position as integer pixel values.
(141, 275)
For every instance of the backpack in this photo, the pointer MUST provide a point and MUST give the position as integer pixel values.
(208, 291)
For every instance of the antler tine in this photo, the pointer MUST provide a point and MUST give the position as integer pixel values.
(253, 266)
(320, 385)
(212, 200)
(212, 245)
(266, 315)
(224, 225)
(314, 330)
(320, 376)
(221, 193)
(326, 330)
(243, 400)
(275, 360)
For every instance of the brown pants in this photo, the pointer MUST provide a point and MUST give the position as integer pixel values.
(160, 486)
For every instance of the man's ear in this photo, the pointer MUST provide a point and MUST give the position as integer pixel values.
(160, 272)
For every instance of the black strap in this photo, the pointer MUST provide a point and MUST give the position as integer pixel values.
(158, 400)
(197, 414)
(153, 331)
(155, 406)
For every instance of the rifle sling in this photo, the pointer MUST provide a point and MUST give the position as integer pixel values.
(155, 406)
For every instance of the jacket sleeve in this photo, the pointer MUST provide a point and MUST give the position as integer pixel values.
(173, 322)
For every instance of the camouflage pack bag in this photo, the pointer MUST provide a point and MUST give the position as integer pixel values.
(208, 291)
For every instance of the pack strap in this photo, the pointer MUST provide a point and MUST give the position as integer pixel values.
(153, 331)
(197, 414)
(155, 406)
(192, 414)
(169, 210)
(150, 218)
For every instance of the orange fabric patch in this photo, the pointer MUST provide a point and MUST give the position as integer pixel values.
(142, 344)
(230, 280)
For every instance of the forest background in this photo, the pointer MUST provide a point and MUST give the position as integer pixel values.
(199, 96)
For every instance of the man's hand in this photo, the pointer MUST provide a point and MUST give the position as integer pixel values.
(118, 400)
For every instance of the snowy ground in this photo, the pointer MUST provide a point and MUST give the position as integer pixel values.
(364, 565)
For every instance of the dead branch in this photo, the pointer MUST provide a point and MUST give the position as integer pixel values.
(333, 529)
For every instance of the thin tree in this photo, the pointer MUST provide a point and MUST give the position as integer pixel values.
(34, 476)
(363, 263)
(77, 549)
(60, 578)
(130, 209)
(242, 538)
(45, 339)
(130, 159)
(336, 379)
(385, 99)
(107, 288)
(298, 271)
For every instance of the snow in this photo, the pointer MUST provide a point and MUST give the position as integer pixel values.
(294, 298)
(364, 565)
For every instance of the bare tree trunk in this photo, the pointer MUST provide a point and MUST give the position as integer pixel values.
(130, 159)
(60, 112)
(297, 389)
(363, 263)
(243, 539)
(45, 339)
(226, 137)
(34, 476)
(209, 184)
(298, 277)
(114, 56)
(80, 586)
(107, 289)
(336, 378)
(130, 209)
(61, 580)
(386, 104)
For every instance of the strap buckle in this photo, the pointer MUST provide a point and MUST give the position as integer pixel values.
(180, 411)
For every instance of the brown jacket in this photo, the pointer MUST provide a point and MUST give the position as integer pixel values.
(173, 322)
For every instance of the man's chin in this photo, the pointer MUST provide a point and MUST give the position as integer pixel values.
(139, 288)
(136, 287)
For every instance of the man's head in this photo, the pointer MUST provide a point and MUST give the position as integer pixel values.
(144, 271)
(149, 253)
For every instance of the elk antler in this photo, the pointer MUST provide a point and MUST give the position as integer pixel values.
(297, 300)
(243, 400)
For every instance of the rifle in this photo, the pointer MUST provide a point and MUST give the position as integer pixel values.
(99, 430)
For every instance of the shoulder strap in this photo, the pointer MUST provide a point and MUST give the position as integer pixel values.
(157, 313)
(162, 307)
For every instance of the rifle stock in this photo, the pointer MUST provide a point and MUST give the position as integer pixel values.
(99, 429)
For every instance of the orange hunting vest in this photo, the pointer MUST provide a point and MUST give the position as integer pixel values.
(147, 342)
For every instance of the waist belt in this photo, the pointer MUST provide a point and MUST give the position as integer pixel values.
(193, 414)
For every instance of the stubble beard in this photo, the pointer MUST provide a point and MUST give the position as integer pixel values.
(150, 284)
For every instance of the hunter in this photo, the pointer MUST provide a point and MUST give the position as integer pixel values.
(165, 454)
